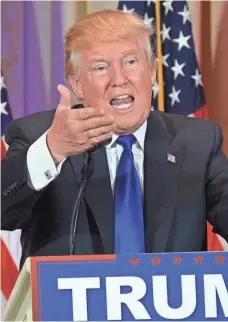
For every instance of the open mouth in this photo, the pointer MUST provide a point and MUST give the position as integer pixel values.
(122, 102)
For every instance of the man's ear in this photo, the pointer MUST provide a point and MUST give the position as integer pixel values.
(76, 87)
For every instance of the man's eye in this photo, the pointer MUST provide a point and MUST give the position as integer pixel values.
(131, 62)
(100, 68)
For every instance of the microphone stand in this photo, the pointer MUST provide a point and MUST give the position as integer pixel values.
(87, 171)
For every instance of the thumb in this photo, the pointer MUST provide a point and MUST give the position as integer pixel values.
(65, 97)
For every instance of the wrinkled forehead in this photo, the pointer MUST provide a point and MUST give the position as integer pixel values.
(112, 50)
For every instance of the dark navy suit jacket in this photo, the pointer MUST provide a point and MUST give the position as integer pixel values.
(179, 197)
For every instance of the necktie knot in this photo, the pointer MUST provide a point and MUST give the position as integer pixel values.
(126, 141)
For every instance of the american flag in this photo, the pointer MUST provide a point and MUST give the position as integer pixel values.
(183, 86)
(6, 115)
(10, 241)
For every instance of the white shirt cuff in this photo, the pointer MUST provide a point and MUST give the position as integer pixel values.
(41, 167)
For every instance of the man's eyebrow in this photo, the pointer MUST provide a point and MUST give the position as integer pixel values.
(98, 60)
(124, 54)
(102, 60)
(128, 53)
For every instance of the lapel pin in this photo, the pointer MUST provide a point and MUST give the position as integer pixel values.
(171, 158)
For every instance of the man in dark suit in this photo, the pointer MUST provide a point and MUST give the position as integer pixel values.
(154, 185)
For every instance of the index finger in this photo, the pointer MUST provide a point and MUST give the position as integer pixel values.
(86, 113)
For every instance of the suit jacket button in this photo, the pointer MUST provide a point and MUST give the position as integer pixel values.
(5, 193)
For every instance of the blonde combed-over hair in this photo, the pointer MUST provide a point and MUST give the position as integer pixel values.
(100, 27)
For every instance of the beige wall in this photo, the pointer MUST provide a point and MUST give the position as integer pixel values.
(210, 27)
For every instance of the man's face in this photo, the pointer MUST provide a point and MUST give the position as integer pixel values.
(117, 77)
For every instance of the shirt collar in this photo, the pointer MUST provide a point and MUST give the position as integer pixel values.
(139, 134)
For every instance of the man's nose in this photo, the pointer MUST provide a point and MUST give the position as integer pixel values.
(118, 76)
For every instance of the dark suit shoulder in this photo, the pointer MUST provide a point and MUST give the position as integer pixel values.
(193, 133)
(176, 124)
(33, 125)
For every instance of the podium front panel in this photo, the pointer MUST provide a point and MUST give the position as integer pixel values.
(137, 287)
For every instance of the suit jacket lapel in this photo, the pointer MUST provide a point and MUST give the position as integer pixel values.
(99, 196)
(161, 179)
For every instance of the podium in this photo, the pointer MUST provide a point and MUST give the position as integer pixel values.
(137, 287)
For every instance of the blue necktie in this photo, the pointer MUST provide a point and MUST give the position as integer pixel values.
(129, 224)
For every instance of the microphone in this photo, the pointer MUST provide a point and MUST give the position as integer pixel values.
(86, 172)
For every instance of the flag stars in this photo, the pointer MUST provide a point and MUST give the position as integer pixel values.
(185, 14)
(177, 69)
(182, 41)
(127, 10)
(2, 83)
(149, 2)
(197, 78)
(168, 6)
(174, 96)
(3, 108)
(181, 75)
(148, 21)
(164, 60)
(165, 32)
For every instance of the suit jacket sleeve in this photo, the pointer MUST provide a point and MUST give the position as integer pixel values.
(217, 187)
(18, 198)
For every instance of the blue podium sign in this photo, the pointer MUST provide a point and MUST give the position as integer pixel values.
(140, 287)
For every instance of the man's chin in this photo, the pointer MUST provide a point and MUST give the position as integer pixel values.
(127, 127)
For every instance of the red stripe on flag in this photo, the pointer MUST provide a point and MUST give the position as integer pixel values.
(213, 243)
(202, 112)
(9, 271)
(3, 149)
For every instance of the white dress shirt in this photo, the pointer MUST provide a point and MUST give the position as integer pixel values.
(42, 169)
(114, 151)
